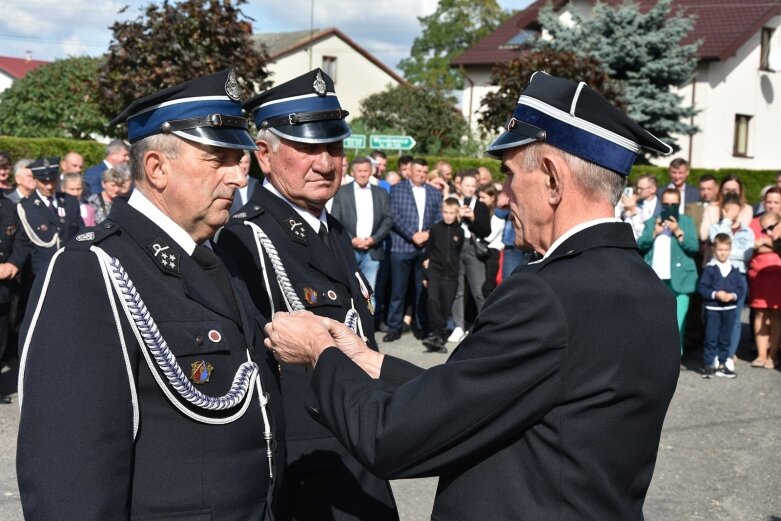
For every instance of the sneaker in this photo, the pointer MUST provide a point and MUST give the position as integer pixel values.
(707, 371)
(456, 335)
(715, 364)
(730, 364)
(725, 372)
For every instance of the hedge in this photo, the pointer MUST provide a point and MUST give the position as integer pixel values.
(93, 153)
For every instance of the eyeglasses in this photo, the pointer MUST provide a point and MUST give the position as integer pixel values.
(769, 228)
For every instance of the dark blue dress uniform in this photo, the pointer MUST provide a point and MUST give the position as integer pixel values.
(44, 229)
(104, 431)
(9, 252)
(322, 480)
(551, 408)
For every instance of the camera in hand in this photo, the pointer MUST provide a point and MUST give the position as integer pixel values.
(669, 210)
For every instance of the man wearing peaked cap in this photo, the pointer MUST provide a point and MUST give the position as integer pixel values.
(553, 410)
(143, 378)
(48, 218)
(300, 131)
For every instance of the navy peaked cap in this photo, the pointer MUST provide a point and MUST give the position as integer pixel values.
(304, 109)
(205, 110)
(45, 168)
(573, 117)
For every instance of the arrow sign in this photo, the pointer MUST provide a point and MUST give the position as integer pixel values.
(355, 141)
(391, 142)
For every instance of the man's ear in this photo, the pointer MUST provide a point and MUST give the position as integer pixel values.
(263, 155)
(557, 172)
(156, 168)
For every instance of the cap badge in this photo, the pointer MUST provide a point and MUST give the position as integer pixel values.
(319, 84)
(46, 163)
(215, 336)
(310, 296)
(200, 371)
(88, 236)
(232, 86)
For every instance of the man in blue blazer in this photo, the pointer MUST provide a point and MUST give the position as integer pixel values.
(117, 153)
(415, 207)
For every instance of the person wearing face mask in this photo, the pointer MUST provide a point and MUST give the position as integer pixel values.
(669, 245)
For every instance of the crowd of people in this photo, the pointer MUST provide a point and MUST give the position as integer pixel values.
(717, 254)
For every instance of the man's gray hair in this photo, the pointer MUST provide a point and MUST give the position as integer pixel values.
(21, 165)
(166, 144)
(596, 182)
(115, 146)
(269, 137)
(119, 174)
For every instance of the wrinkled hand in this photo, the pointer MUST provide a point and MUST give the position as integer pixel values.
(297, 338)
(355, 348)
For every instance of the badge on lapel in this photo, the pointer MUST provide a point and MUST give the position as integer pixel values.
(200, 371)
(297, 229)
(166, 258)
(10, 229)
(310, 296)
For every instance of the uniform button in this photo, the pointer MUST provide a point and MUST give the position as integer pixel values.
(108, 226)
(256, 207)
(314, 412)
(199, 339)
(677, 264)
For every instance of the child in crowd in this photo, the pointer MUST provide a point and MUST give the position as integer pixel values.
(446, 238)
(721, 286)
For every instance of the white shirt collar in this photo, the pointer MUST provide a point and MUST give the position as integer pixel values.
(313, 221)
(141, 203)
(359, 187)
(44, 198)
(572, 231)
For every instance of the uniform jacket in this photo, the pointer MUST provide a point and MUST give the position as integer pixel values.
(683, 268)
(326, 282)
(548, 410)
(46, 226)
(10, 250)
(344, 210)
(76, 455)
(405, 215)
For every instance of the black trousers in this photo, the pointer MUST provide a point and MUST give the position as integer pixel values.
(441, 294)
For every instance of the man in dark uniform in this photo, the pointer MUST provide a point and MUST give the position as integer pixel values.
(144, 390)
(552, 407)
(48, 218)
(301, 128)
(12, 259)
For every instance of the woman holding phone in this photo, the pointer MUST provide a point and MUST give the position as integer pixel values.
(669, 244)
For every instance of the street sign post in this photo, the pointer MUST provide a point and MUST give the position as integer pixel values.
(355, 141)
(391, 142)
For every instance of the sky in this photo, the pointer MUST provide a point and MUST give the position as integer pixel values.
(52, 29)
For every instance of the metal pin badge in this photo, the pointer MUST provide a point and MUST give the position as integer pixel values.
(310, 295)
(331, 294)
(200, 371)
(215, 336)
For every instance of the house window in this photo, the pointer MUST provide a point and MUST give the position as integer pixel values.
(764, 50)
(329, 66)
(740, 146)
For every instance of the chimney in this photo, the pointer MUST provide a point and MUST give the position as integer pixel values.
(28, 56)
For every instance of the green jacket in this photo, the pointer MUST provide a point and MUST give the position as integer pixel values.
(683, 269)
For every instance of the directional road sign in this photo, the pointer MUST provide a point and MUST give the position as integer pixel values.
(391, 142)
(355, 141)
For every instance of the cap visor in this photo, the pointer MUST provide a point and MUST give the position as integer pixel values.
(507, 140)
(327, 131)
(219, 137)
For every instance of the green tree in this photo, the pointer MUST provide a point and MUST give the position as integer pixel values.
(454, 27)
(643, 51)
(428, 115)
(171, 43)
(58, 99)
(512, 77)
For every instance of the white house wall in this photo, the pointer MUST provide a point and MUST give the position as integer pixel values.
(356, 76)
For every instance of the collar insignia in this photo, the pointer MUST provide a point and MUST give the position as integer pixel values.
(37, 202)
(319, 84)
(166, 258)
(200, 371)
(232, 86)
(298, 229)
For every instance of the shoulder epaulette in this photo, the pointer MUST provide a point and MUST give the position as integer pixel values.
(94, 235)
(249, 211)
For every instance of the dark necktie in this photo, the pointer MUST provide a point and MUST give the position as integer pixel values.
(323, 234)
(215, 269)
(53, 208)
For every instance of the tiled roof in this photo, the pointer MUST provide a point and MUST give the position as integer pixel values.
(281, 44)
(18, 67)
(722, 26)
